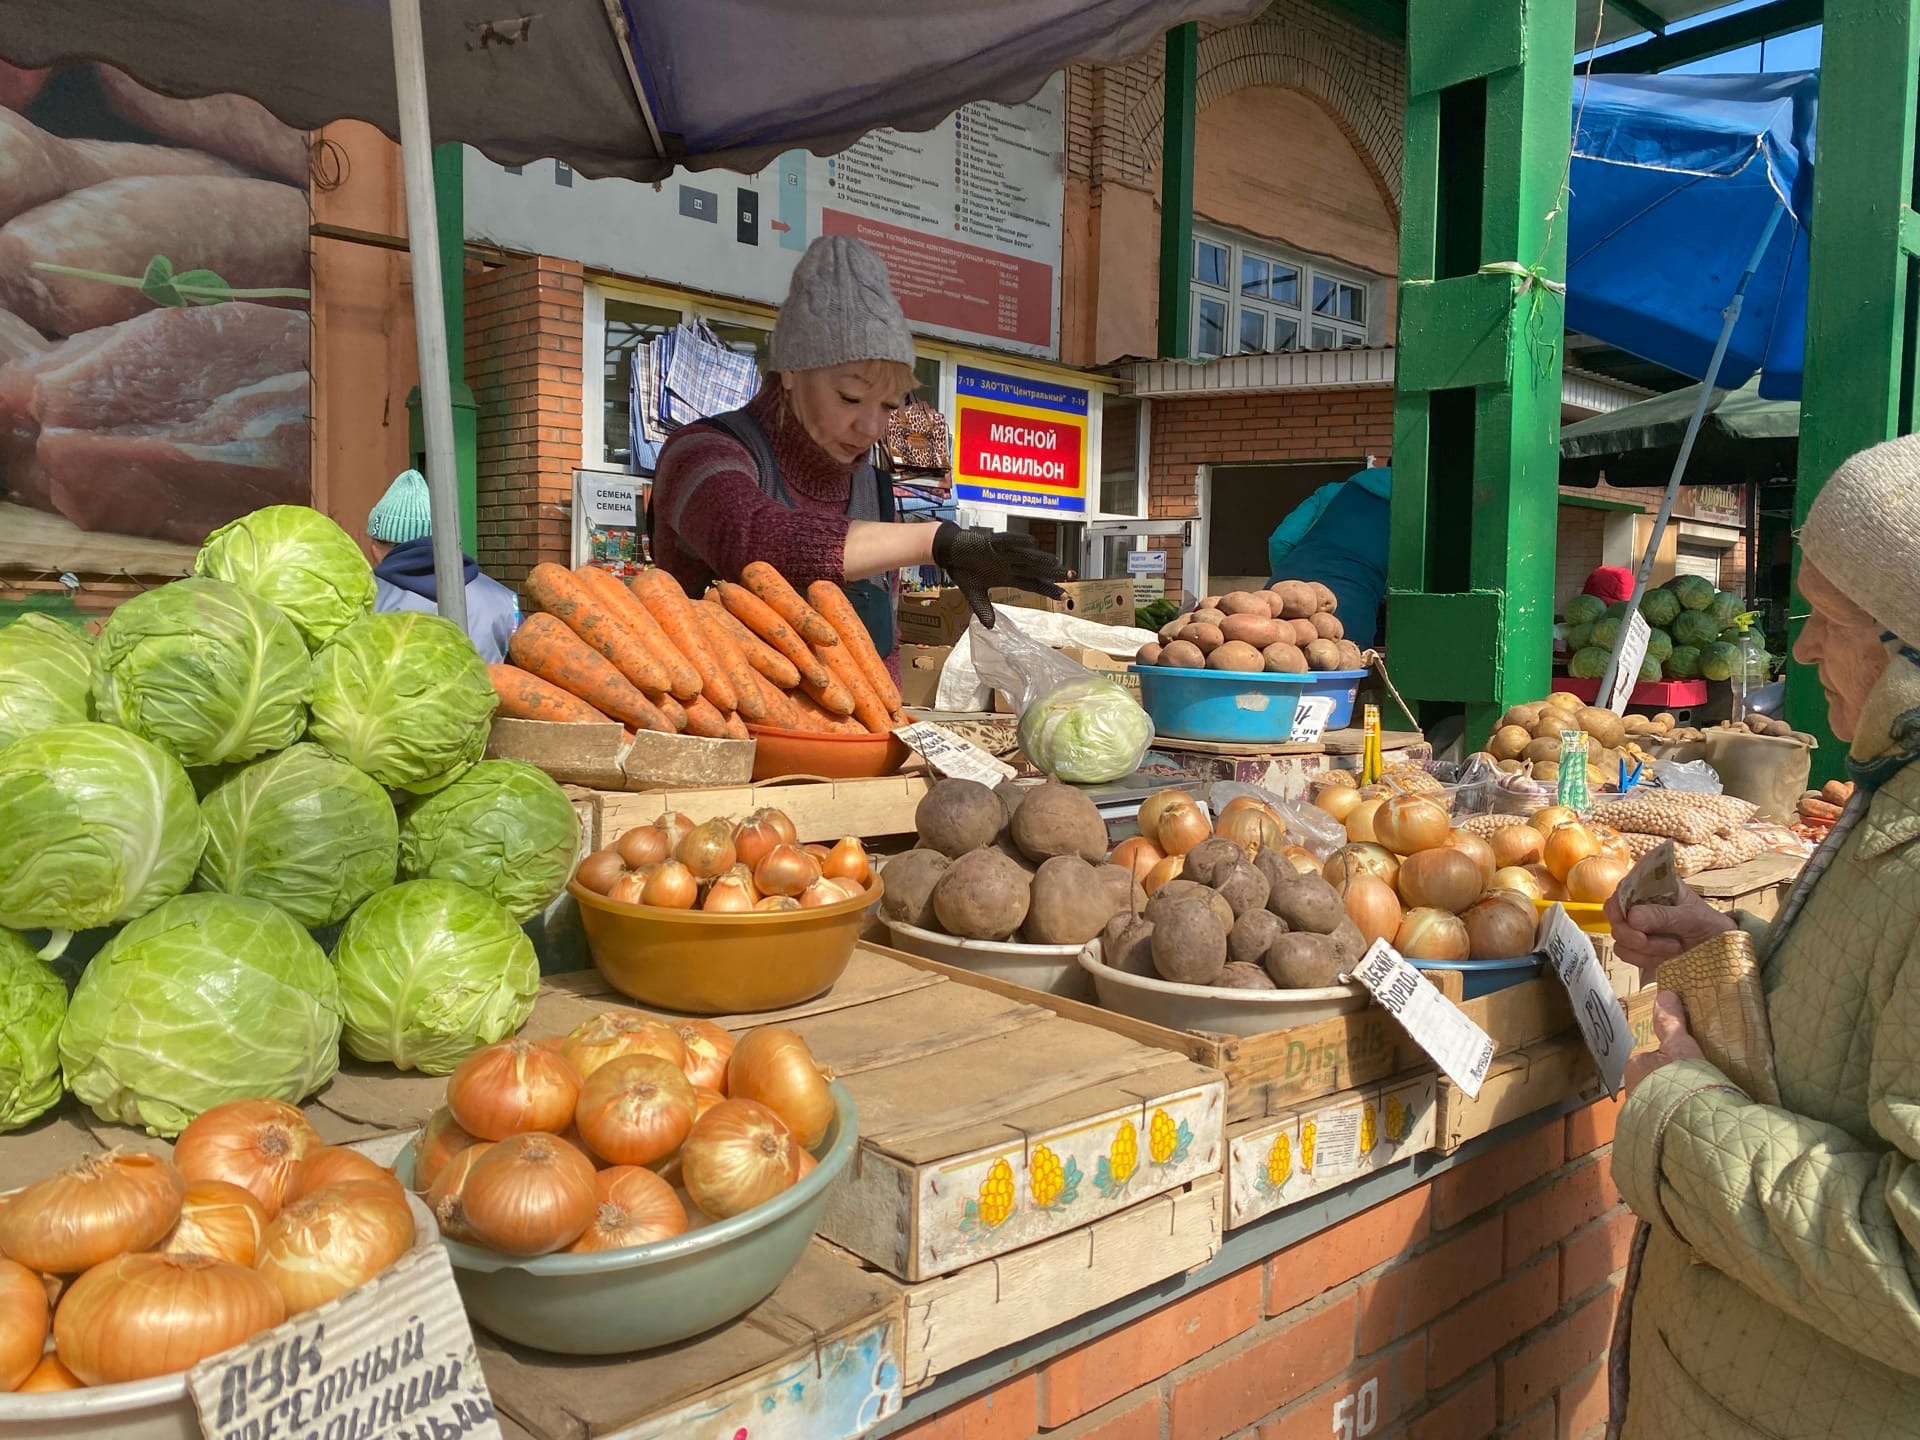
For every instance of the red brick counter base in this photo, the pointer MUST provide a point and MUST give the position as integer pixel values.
(1479, 1305)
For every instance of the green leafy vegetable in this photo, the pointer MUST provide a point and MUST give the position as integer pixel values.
(1725, 606)
(1684, 662)
(404, 697)
(205, 670)
(293, 557)
(1578, 637)
(46, 676)
(1585, 609)
(1695, 592)
(1696, 628)
(1649, 670)
(303, 830)
(503, 828)
(1588, 664)
(96, 826)
(1719, 660)
(1660, 607)
(1086, 733)
(33, 1001)
(1659, 644)
(1606, 632)
(429, 972)
(208, 999)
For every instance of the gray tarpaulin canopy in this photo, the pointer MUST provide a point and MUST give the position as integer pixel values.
(1742, 438)
(634, 88)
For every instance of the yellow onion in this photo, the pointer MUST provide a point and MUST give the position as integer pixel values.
(255, 1144)
(1373, 907)
(1500, 926)
(1517, 880)
(634, 1207)
(1431, 934)
(1363, 857)
(1476, 849)
(1137, 854)
(1549, 883)
(635, 1110)
(48, 1376)
(671, 887)
(219, 1220)
(774, 904)
(774, 1066)
(1339, 801)
(446, 1197)
(1408, 824)
(631, 888)
(1161, 873)
(613, 1033)
(642, 845)
(600, 870)
(1516, 845)
(781, 823)
(1440, 879)
(708, 1049)
(755, 838)
(1303, 860)
(88, 1212)
(731, 894)
(335, 1165)
(23, 1323)
(333, 1241)
(848, 860)
(513, 1086)
(440, 1139)
(1552, 817)
(137, 1316)
(1566, 847)
(787, 870)
(740, 1154)
(1181, 828)
(707, 849)
(1157, 805)
(1253, 830)
(1360, 821)
(1593, 880)
(529, 1195)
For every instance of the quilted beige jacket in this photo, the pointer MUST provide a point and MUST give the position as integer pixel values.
(1804, 1322)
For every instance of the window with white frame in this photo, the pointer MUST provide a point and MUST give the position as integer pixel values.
(1254, 299)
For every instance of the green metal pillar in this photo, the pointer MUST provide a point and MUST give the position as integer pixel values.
(1860, 337)
(450, 205)
(1477, 380)
(1176, 192)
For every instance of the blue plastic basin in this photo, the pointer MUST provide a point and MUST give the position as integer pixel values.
(1239, 709)
(1483, 977)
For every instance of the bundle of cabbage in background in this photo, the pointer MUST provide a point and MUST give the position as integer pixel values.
(258, 736)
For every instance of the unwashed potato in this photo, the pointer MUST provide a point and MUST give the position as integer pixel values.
(957, 816)
(1127, 944)
(1205, 635)
(982, 896)
(1328, 601)
(1242, 602)
(1208, 615)
(1510, 742)
(1547, 747)
(1149, 654)
(1170, 631)
(1183, 655)
(1305, 902)
(1352, 657)
(1189, 944)
(1323, 655)
(1071, 903)
(1242, 976)
(1607, 728)
(1283, 657)
(1244, 888)
(1304, 632)
(1237, 656)
(1210, 858)
(1329, 626)
(910, 879)
(1252, 937)
(1298, 600)
(1175, 891)
(1302, 961)
(1258, 631)
(1055, 819)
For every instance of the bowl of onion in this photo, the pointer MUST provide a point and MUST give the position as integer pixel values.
(664, 1197)
(724, 917)
(168, 1262)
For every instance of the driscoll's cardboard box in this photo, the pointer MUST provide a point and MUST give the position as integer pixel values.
(1105, 602)
(933, 617)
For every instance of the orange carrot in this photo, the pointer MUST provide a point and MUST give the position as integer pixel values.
(815, 716)
(622, 603)
(703, 719)
(831, 601)
(671, 708)
(833, 697)
(772, 588)
(662, 595)
(846, 669)
(528, 697)
(707, 617)
(758, 653)
(737, 728)
(544, 646)
(553, 588)
(781, 712)
(759, 617)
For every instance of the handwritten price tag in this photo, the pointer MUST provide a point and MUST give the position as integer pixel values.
(953, 754)
(1603, 1024)
(1458, 1046)
(1310, 719)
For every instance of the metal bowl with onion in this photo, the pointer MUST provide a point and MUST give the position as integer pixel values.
(614, 1302)
(702, 962)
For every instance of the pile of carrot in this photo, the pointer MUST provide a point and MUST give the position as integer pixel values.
(648, 656)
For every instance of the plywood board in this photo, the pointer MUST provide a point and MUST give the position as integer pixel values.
(34, 540)
(1519, 1083)
(821, 810)
(818, 1360)
(1277, 1163)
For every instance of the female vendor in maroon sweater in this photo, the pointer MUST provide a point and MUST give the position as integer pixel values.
(790, 478)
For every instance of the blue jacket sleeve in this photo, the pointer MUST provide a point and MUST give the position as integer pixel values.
(1293, 529)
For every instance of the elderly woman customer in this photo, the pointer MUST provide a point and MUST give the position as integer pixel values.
(1776, 1292)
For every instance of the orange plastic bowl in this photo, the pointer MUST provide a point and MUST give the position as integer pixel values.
(780, 753)
(710, 964)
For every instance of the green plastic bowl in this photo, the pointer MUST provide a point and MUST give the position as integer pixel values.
(617, 1301)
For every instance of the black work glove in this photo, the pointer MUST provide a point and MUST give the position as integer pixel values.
(980, 559)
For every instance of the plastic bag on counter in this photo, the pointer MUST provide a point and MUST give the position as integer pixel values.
(964, 687)
(1076, 726)
(1692, 775)
(1466, 787)
(1307, 825)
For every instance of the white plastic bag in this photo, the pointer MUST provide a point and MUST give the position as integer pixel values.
(1307, 825)
(1076, 726)
(963, 689)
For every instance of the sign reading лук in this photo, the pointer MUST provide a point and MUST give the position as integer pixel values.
(1019, 442)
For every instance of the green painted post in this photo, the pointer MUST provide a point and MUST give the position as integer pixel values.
(1859, 339)
(449, 203)
(1176, 192)
(1477, 389)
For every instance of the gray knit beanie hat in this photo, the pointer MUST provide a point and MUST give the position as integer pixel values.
(1863, 533)
(839, 309)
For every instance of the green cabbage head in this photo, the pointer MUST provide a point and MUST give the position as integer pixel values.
(1695, 592)
(1719, 660)
(96, 826)
(1696, 628)
(1649, 670)
(1659, 644)
(1684, 663)
(1588, 664)
(33, 1000)
(1606, 632)
(1585, 609)
(429, 972)
(503, 828)
(1086, 733)
(205, 670)
(208, 999)
(1725, 606)
(46, 676)
(1659, 606)
(405, 697)
(303, 830)
(296, 558)
(1579, 636)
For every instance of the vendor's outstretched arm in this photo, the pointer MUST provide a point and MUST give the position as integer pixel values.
(877, 546)
(1817, 1222)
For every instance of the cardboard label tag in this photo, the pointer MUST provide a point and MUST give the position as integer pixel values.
(1603, 1025)
(1310, 719)
(1458, 1046)
(1633, 650)
(394, 1358)
(953, 754)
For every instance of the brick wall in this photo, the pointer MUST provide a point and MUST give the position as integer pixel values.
(1582, 535)
(1256, 429)
(1480, 1305)
(524, 335)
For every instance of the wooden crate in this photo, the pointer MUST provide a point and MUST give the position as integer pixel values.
(1759, 887)
(820, 1359)
(1519, 1083)
(1276, 1163)
(822, 810)
(1288, 770)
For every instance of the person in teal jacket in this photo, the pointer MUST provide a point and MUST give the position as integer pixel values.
(1338, 536)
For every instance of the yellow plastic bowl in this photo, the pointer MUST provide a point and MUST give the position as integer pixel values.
(708, 964)
(1589, 917)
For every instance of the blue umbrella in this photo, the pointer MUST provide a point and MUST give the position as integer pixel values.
(1687, 246)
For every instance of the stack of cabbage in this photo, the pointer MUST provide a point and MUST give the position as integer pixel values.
(258, 737)
(1694, 636)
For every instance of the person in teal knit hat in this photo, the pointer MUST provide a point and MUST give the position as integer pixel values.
(400, 526)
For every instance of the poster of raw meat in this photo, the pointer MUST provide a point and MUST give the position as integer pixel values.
(154, 328)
